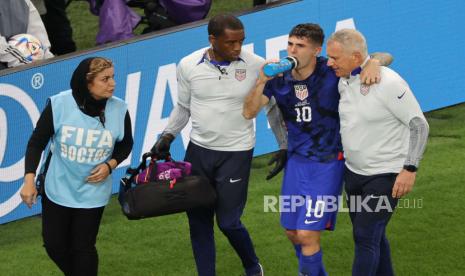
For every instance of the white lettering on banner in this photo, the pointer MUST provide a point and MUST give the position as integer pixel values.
(37, 80)
(3, 134)
(15, 171)
(345, 24)
(248, 47)
(155, 124)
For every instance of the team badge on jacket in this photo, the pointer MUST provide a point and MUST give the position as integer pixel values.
(240, 74)
(301, 91)
(364, 89)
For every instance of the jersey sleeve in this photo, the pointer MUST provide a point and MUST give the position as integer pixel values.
(184, 93)
(268, 90)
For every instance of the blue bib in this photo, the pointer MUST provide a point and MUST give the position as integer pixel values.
(80, 143)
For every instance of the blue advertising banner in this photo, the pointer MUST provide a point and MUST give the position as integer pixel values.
(419, 34)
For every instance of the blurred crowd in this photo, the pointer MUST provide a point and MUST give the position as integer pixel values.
(47, 21)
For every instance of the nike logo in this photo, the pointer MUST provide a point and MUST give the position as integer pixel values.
(310, 221)
(372, 196)
(234, 180)
(400, 97)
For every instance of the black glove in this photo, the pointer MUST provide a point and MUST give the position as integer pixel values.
(161, 149)
(280, 159)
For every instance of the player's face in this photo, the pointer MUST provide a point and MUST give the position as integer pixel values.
(303, 49)
(340, 60)
(103, 85)
(227, 46)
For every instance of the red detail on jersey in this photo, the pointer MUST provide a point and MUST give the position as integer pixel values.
(340, 156)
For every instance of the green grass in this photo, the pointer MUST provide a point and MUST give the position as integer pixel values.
(424, 241)
(85, 24)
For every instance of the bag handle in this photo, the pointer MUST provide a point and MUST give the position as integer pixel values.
(132, 172)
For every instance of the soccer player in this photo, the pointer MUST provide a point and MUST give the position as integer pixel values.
(308, 99)
(384, 134)
(212, 86)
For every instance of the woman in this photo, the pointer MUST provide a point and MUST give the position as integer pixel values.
(90, 132)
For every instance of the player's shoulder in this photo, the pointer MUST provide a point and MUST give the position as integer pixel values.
(322, 68)
(390, 78)
(117, 100)
(188, 63)
(193, 58)
(251, 58)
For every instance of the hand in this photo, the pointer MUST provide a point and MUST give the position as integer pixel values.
(404, 183)
(280, 159)
(28, 192)
(371, 72)
(161, 149)
(18, 57)
(262, 78)
(98, 174)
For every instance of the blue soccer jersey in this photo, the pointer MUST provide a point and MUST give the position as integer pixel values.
(310, 110)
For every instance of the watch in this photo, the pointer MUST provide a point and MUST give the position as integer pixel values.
(410, 168)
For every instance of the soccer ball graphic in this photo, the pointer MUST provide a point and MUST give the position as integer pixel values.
(31, 47)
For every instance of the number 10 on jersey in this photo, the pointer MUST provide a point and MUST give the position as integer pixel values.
(304, 114)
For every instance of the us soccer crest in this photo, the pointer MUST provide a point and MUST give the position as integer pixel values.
(364, 89)
(240, 74)
(301, 91)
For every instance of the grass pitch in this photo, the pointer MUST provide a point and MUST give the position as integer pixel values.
(426, 231)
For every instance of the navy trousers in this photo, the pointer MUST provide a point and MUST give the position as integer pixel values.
(229, 173)
(372, 251)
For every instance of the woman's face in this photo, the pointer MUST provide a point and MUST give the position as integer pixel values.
(103, 85)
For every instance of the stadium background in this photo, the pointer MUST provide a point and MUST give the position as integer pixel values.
(427, 42)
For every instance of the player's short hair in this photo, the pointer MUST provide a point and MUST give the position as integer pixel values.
(311, 31)
(351, 40)
(221, 22)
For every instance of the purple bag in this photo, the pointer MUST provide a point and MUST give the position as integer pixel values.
(163, 171)
(116, 20)
(184, 11)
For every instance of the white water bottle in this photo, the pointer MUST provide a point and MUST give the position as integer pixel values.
(275, 68)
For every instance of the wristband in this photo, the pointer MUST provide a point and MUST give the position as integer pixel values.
(108, 165)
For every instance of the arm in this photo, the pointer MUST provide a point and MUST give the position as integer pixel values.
(10, 55)
(36, 28)
(120, 152)
(371, 73)
(39, 139)
(277, 124)
(408, 111)
(275, 118)
(419, 130)
(385, 59)
(255, 100)
(123, 147)
(179, 117)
